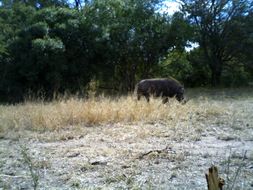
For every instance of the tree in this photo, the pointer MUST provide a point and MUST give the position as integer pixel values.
(245, 56)
(218, 30)
(39, 4)
(49, 49)
(11, 22)
(134, 37)
(57, 49)
(181, 32)
(78, 4)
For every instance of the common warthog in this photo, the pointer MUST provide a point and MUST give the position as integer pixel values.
(165, 87)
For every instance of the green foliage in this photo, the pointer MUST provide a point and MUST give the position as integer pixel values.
(38, 30)
(181, 32)
(175, 65)
(220, 31)
(135, 37)
(48, 53)
(187, 67)
(235, 75)
(53, 47)
(34, 3)
(46, 45)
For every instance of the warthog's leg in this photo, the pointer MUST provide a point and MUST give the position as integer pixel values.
(147, 97)
(138, 97)
(165, 100)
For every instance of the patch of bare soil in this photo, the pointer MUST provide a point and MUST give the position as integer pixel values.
(134, 156)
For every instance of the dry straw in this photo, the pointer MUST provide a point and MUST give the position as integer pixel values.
(40, 115)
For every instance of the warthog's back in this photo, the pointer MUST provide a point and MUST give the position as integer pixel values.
(166, 87)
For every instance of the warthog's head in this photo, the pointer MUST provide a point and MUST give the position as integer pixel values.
(180, 94)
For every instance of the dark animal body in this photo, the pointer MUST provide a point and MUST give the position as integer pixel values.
(165, 88)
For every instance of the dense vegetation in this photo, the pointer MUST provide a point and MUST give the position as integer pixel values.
(58, 46)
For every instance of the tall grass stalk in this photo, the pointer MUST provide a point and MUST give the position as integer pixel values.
(28, 160)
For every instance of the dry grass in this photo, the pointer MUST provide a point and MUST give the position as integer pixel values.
(43, 116)
(121, 143)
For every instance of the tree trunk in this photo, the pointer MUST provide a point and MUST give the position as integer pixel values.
(216, 69)
(215, 78)
(214, 182)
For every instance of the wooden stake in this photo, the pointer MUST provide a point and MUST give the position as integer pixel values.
(214, 182)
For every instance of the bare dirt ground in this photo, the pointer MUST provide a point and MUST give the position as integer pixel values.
(153, 155)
